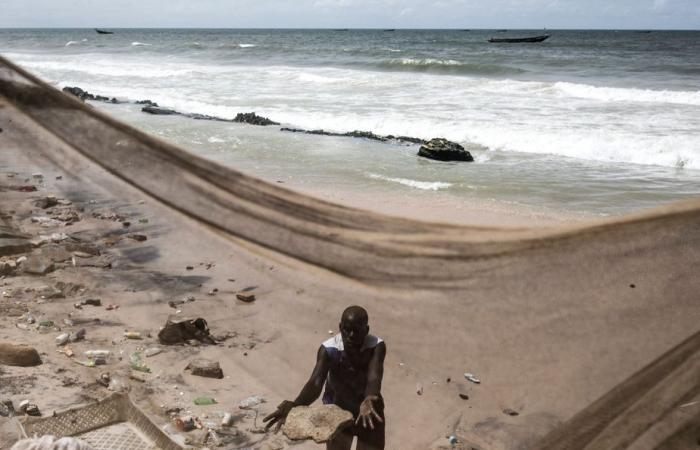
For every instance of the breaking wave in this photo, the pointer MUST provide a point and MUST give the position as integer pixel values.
(424, 185)
(446, 66)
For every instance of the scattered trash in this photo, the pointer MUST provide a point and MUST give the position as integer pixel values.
(205, 368)
(7, 409)
(153, 351)
(37, 176)
(204, 401)
(63, 339)
(452, 440)
(471, 377)
(30, 409)
(245, 297)
(143, 220)
(118, 384)
(189, 268)
(138, 237)
(111, 307)
(419, 389)
(98, 357)
(251, 401)
(227, 420)
(185, 424)
(132, 335)
(510, 412)
(182, 330)
(138, 364)
(46, 324)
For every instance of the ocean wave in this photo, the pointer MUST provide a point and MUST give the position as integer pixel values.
(246, 45)
(612, 94)
(139, 44)
(446, 66)
(70, 43)
(424, 185)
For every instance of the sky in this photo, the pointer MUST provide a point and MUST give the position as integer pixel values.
(606, 14)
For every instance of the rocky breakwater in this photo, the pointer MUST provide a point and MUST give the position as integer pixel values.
(84, 95)
(443, 150)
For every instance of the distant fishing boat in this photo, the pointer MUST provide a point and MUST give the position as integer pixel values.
(103, 31)
(390, 29)
(516, 40)
(501, 31)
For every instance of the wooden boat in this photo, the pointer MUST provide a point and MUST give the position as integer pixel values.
(103, 31)
(516, 40)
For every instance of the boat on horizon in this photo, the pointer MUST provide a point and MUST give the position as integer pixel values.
(103, 31)
(517, 40)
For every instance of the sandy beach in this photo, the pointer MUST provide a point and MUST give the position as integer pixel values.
(549, 316)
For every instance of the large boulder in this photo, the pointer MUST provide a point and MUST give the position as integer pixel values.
(320, 422)
(18, 355)
(443, 150)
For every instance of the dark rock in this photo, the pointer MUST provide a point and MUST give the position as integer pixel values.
(160, 111)
(253, 119)
(46, 202)
(444, 150)
(205, 368)
(18, 355)
(366, 135)
(146, 102)
(510, 412)
(84, 95)
(179, 330)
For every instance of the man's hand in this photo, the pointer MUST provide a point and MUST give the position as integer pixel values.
(278, 417)
(367, 411)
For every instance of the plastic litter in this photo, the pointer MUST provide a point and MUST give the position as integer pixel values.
(138, 364)
(204, 401)
(251, 401)
(471, 377)
(153, 351)
(132, 335)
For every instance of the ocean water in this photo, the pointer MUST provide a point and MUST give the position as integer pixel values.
(590, 122)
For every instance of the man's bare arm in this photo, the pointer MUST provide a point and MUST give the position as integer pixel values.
(312, 389)
(309, 393)
(375, 371)
(368, 414)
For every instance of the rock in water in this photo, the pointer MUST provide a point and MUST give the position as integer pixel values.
(253, 119)
(443, 150)
(18, 355)
(320, 422)
(205, 368)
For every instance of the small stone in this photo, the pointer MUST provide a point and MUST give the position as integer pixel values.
(319, 422)
(38, 265)
(205, 368)
(245, 297)
(510, 412)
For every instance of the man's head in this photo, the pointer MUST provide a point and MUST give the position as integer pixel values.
(354, 327)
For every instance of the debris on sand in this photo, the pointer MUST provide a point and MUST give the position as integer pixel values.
(471, 377)
(18, 355)
(246, 297)
(319, 422)
(205, 368)
(179, 330)
(251, 402)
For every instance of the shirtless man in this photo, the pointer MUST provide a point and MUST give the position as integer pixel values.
(351, 364)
